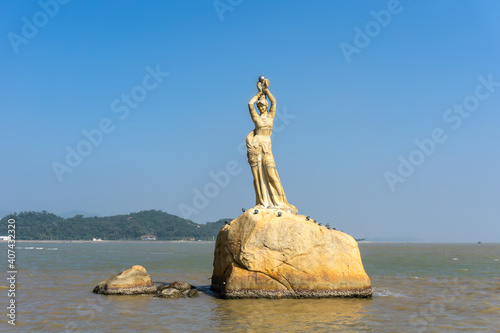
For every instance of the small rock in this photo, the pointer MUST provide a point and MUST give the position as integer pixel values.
(170, 293)
(161, 287)
(182, 286)
(192, 293)
(133, 281)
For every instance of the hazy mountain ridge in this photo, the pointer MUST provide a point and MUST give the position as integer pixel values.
(74, 212)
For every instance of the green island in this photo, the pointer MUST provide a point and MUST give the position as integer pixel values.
(143, 225)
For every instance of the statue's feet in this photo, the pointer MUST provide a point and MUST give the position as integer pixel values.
(287, 208)
(291, 209)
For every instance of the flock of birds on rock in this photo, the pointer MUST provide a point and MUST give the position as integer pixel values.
(256, 211)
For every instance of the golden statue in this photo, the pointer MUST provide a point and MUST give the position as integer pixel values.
(269, 192)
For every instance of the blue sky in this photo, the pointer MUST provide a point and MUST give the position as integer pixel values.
(161, 88)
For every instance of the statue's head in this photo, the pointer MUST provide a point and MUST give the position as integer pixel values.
(262, 104)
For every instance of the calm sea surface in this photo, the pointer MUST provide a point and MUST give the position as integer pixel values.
(417, 288)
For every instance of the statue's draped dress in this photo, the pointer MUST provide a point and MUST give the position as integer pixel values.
(269, 192)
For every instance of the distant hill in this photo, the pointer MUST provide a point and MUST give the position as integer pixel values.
(47, 226)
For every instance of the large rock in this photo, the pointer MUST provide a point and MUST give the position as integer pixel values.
(135, 280)
(276, 254)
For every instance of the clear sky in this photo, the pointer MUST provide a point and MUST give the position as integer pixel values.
(387, 126)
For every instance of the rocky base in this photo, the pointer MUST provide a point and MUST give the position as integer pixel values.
(275, 254)
(277, 294)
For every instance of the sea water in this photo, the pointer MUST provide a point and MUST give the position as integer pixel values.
(417, 288)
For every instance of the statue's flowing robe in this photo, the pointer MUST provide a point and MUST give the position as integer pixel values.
(269, 192)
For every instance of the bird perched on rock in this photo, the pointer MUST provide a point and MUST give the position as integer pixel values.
(307, 218)
(227, 222)
(243, 210)
(279, 213)
(256, 211)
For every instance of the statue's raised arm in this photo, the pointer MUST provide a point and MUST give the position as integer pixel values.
(251, 105)
(272, 109)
